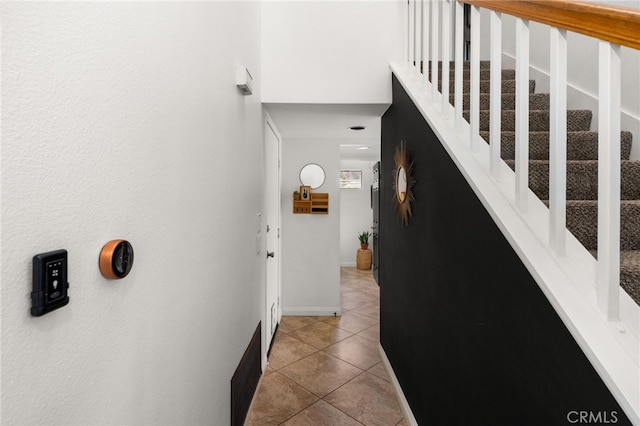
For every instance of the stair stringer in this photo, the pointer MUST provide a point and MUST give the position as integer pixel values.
(568, 281)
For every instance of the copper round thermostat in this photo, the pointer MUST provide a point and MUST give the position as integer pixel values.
(116, 259)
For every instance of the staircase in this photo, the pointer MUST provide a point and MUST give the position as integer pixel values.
(582, 167)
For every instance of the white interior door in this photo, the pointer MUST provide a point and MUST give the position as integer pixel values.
(272, 221)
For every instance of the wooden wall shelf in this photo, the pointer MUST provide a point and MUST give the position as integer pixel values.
(300, 207)
(319, 204)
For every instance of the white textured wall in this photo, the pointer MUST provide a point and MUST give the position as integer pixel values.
(310, 243)
(356, 214)
(330, 51)
(123, 120)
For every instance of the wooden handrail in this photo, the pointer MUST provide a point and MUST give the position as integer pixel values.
(615, 24)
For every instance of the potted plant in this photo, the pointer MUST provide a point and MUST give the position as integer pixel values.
(364, 239)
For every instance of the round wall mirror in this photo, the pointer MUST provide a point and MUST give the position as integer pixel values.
(312, 175)
(401, 184)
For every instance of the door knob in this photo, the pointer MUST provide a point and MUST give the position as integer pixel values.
(271, 254)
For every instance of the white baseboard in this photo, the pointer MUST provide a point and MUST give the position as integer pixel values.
(348, 264)
(312, 311)
(404, 404)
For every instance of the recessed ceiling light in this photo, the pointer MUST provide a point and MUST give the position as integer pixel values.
(357, 127)
(363, 147)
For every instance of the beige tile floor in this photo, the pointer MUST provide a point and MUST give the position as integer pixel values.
(328, 370)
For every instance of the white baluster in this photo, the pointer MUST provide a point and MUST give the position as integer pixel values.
(435, 42)
(608, 283)
(522, 114)
(412, 32)
(459, 43)
(416, 34)
(475, 78)
(496, 94)
(558, 142)
(405, 50)
(419, 30)
(426, 19)
(446, 55)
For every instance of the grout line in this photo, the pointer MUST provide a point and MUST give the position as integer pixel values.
(347, 414)
(363, 284)
(302, 409)
(346, 362)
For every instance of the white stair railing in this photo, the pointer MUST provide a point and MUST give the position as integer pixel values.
(459, 55)
(428, 50)
(608, 283)
(558, 142)
(435, 45)
(446, 55)
(495, 120)
(522, 114)
(474, 109)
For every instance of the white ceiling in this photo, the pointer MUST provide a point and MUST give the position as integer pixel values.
(332, 122)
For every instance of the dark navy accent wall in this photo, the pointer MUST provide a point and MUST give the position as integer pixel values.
(470, 335)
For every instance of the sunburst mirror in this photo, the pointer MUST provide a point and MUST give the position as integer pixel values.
(403, 182)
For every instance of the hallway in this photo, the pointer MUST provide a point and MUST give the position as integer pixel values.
(328, 370)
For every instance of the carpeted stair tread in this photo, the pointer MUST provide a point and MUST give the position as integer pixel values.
(580, 145)
(465, 65)
(577, 120)
(582, 166)
(537, 101)
(582, 221)
(582, 179)
(485, 74)
(630, 273)
(508, 86)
